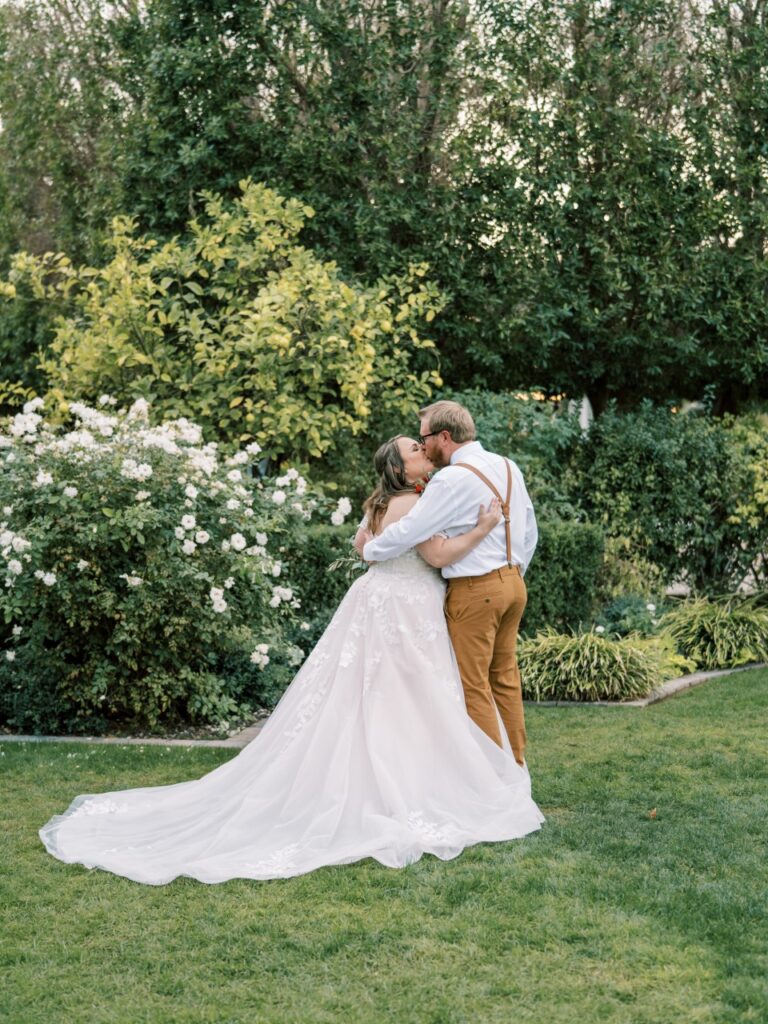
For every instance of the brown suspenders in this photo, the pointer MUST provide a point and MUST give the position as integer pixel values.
(504, 504)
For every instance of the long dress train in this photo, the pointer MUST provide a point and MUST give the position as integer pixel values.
(370, 753)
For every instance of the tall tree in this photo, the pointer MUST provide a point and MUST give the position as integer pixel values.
(727, 121)
(61, 109)
(585, 177)
(597, 212)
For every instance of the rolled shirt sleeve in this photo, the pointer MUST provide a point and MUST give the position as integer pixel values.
(432, 513)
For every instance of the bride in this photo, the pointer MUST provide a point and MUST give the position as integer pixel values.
(369, 753)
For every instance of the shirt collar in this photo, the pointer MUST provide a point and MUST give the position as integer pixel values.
(473, 448)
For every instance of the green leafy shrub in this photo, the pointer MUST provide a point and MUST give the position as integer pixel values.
(671, 485)
(631, 613)
(144, 580)
(320, 587)
(624, 572)
(748, 445)
(318, 546)
(236, 326)
(662, 650)
(719, 634)
(563, 576)
(586, 667)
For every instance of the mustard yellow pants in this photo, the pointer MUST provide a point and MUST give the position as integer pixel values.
(483, 615)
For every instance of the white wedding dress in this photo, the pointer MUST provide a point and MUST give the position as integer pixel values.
(370, 753)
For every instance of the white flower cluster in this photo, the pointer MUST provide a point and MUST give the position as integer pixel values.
(217, 599)
(13, 541)
(25, 424)
(133, 470)
(139, 410)
(48, 578)
(93, 420)
(283, 485)
(260, 656)
(342, 510)
(42, 479)
(293, 479)
(132, 581)
(11, 545)
(279, 595)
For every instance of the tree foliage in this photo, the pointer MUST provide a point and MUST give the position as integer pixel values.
(587, 178)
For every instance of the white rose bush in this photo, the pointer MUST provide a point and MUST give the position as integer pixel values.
(139, 573)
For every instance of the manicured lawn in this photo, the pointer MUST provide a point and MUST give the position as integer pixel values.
(609, 914)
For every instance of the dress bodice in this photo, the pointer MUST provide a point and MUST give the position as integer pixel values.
(409, 564)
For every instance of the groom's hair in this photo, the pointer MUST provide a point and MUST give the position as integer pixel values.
(452, 417)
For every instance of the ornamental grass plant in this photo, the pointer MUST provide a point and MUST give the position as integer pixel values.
(588, 666)
(143, 582)
(719, 634)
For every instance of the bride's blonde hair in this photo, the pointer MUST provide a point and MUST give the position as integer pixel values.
(388, 463)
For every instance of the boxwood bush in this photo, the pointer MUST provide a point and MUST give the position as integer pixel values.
(318, 547)
(682, 490)
(563, 577)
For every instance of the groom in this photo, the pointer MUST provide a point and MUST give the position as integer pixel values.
(486, 594)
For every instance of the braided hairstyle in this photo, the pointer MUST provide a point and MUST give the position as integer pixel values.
(388, 463)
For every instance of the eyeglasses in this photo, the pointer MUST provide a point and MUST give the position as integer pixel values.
(423, 437)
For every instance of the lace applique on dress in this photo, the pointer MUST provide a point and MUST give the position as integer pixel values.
(347, 656)
(281, 862)
(431, 830)
(100, 805)
(372, 662)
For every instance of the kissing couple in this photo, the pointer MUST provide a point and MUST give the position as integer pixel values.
(402, 733)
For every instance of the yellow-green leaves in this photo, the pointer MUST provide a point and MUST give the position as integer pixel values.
(239, 327)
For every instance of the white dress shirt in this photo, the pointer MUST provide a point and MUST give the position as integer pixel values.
(450, 504)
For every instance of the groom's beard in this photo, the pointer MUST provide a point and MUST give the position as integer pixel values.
(439, 460)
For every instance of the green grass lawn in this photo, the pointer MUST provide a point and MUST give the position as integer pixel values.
(608, 914)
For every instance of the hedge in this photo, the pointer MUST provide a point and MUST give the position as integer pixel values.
(563, 577)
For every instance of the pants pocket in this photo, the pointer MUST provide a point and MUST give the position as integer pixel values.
(451, 606)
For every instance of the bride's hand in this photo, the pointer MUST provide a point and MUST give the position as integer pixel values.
(362, 537)
(488, 518)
